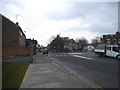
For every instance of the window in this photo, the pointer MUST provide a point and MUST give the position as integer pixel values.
(116, 49)
(108, 41)
(108, 48)
(114, 41)
(118, 41)
(20, 33)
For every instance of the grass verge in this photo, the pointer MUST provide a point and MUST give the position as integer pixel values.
(13, 74)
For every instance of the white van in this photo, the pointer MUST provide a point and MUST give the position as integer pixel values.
(108, 50)
(113, 51)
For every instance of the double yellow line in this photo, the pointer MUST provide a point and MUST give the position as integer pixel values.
(88, 82)
(93, 85)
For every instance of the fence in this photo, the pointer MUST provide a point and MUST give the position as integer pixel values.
(20, 51)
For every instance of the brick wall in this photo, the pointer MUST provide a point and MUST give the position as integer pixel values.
(21, 51)
(11, 34)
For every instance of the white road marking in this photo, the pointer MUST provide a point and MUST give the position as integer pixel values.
(82, 57)
(72, 54)
(60, 55)
(75, 53)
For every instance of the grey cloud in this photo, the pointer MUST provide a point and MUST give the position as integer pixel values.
(103, 27)
(83, 10)
(102, 16)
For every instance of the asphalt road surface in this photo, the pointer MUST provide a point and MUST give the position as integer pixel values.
(100, 71)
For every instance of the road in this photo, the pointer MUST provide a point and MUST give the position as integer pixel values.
(100, 71)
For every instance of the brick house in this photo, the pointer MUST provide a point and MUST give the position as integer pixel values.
(63, 44)
(13, 39)
(33, 42)
(70, 44)
(12, 34)
(111, 38)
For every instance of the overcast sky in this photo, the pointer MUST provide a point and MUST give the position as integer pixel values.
(43, 19)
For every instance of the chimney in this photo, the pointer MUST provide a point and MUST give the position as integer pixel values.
(17, 23)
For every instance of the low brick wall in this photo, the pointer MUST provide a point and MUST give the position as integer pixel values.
(20, 51)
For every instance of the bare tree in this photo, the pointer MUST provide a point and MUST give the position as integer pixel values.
(96, 41)
(82, 42)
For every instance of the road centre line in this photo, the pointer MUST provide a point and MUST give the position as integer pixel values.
(82, 57)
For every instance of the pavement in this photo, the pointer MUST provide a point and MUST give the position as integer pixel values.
(45, 73)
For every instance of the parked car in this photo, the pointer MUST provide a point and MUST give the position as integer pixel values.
(45, 52)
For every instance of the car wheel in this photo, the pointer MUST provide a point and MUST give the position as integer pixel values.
(100, 55)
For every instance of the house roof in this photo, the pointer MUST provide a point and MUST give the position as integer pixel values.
(16, 25)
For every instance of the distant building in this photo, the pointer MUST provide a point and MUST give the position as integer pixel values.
(29, 41)
(67, 43)
(33, 42)
(111, 38)
(70, 44)
(12, 34)
(63, 44)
